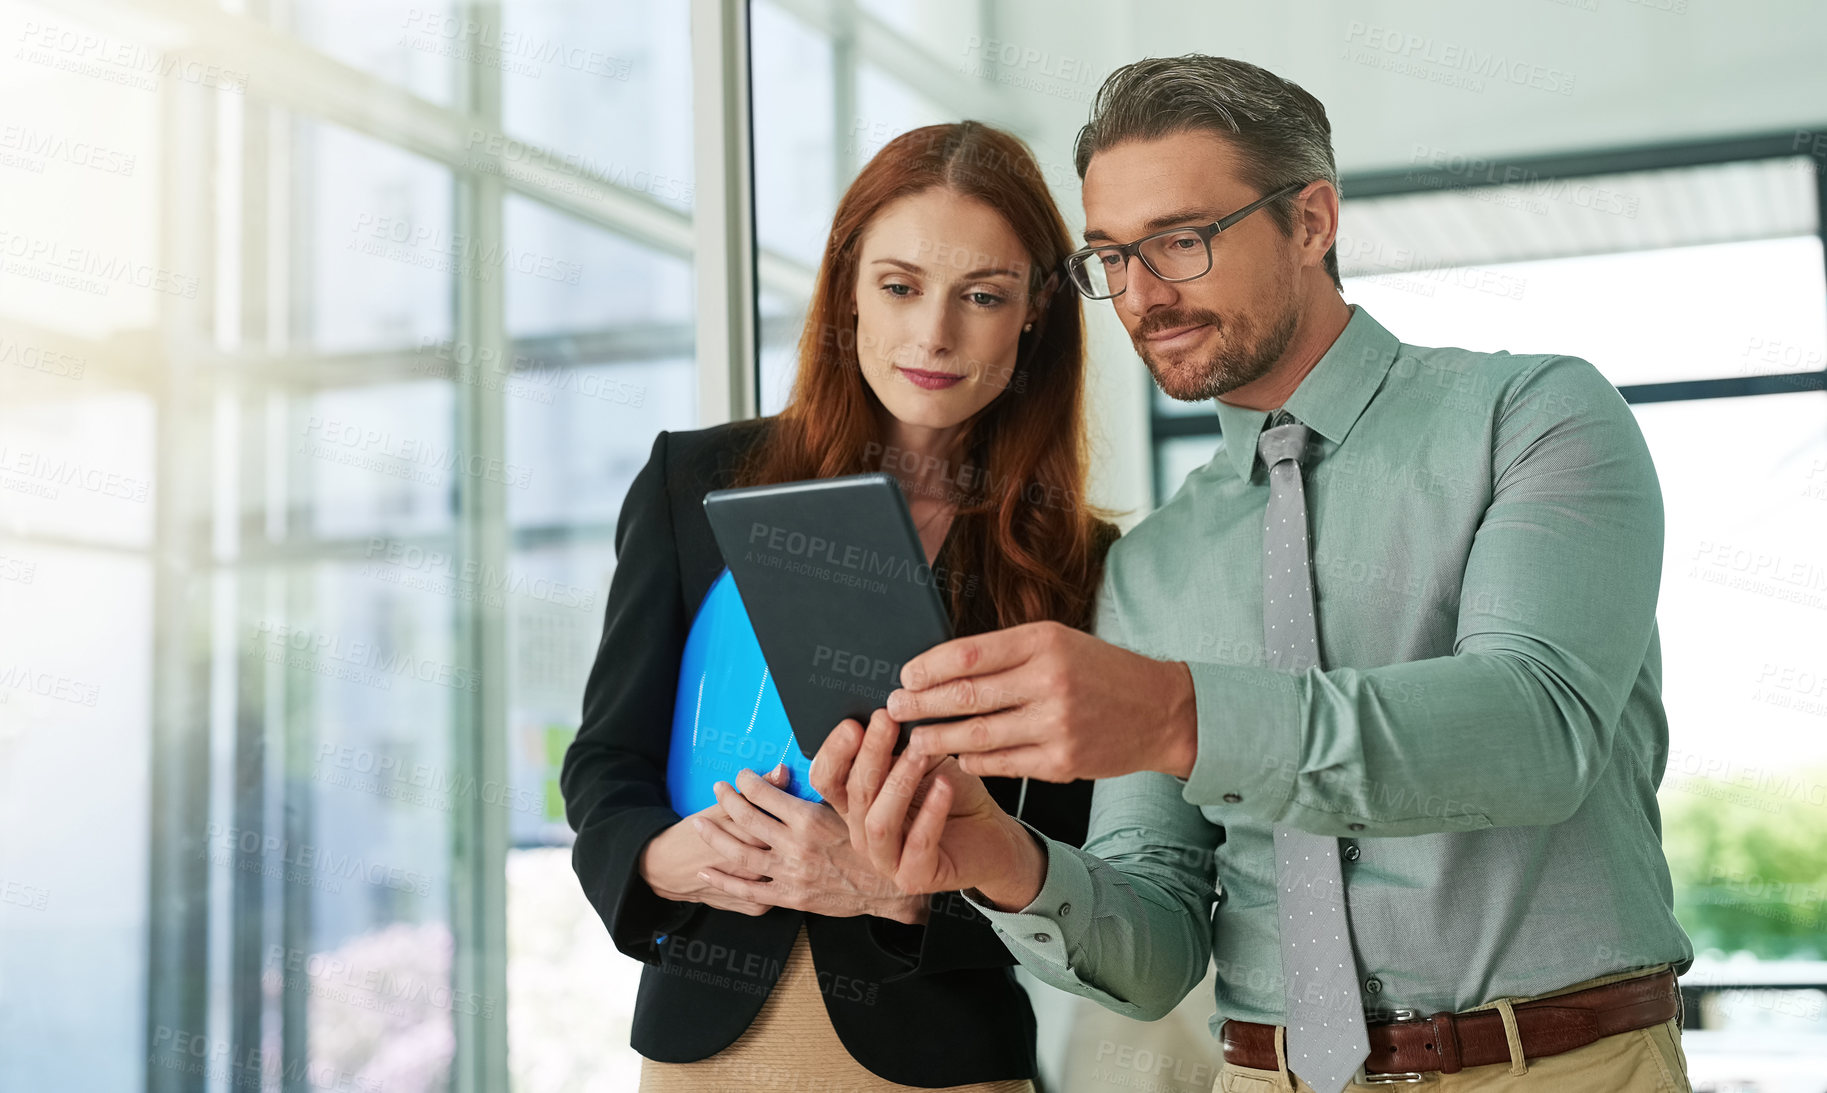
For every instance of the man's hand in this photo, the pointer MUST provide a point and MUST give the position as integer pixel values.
(796, 854)
(922, 820)
(1052, 703)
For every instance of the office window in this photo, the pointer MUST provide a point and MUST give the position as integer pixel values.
(313, 505)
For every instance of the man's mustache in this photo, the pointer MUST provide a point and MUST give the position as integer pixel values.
(1174, 320)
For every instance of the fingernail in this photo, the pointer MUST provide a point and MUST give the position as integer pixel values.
(781, 770)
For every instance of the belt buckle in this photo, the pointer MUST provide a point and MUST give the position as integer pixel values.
(1404, 1077)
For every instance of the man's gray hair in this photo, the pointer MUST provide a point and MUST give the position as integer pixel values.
(1278, 129)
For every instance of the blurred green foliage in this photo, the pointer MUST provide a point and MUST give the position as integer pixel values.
(1749, 861)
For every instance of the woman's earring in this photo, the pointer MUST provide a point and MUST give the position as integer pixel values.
(1028, 327)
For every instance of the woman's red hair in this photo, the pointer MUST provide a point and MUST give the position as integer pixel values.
(1025, 545)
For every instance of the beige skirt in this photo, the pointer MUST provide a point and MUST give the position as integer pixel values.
(790, 1046)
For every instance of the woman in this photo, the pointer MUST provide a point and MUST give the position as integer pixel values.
(940, 346)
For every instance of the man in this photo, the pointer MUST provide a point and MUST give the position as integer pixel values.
(1386, 669)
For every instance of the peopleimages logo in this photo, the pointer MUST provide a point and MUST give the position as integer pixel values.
(818, 550)
(1478, 172)
(855, 665)
(1405, 50)
(364, 661)
(306, 863)
(86, 269)
(31, 148)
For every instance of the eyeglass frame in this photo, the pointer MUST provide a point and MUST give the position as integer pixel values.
(1206, 232)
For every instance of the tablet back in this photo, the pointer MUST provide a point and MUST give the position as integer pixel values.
(837, 587)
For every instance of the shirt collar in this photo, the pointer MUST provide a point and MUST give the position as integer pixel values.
(1332, 396)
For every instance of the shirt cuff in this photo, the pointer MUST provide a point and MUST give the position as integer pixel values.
(1054, 923)
(1249, 739)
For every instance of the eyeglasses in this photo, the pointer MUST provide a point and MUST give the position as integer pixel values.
(1177, 254)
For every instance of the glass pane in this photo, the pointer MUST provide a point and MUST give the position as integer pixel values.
(578, 453)
(416, 46)
(886, 108)
(1728, 309)
(380, 249)
(565, 276)
(74, 727)
(1744, 484)
(567, 983)
(80, 468)
(556, 600)
(1538, 218)
(779, 363)
(85, 253)
(361, 833)
(796, 152)
(799, 155)
(941, 27)
(572, 993)
(601, 361)
(380, 461)
(1742, 613)
(605, 89)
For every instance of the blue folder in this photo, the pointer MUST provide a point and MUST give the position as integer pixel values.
(727, 714)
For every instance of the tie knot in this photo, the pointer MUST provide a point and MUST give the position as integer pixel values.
(1283, 438)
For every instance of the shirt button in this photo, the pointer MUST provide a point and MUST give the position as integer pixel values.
(1355, 827)
(1373, 985)
(1043, 938)
(1065, 909)
(1352, 852)
(1232, 798)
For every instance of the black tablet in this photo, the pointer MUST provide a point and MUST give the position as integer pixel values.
(838, 589)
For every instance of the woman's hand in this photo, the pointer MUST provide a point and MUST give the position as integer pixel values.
(802, 853)
(673, 861)
(923, 820)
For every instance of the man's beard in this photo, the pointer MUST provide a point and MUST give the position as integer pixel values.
(1246, 352)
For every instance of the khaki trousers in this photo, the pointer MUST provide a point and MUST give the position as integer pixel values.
(1646, 1060)
(792, 1048)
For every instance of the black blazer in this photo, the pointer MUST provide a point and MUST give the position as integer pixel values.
(927, 1005)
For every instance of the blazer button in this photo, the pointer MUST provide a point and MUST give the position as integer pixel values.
(1355, 827)
(1352, 852)
(1065, 909)
(1373, 985)
(1043, 938)
(1232, 798)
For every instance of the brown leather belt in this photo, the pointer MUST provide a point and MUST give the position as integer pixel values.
(1450, 1042)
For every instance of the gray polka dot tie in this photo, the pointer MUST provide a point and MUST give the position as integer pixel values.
(1326, 1035)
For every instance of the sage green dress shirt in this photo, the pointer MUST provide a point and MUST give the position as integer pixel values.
(1484, 732)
